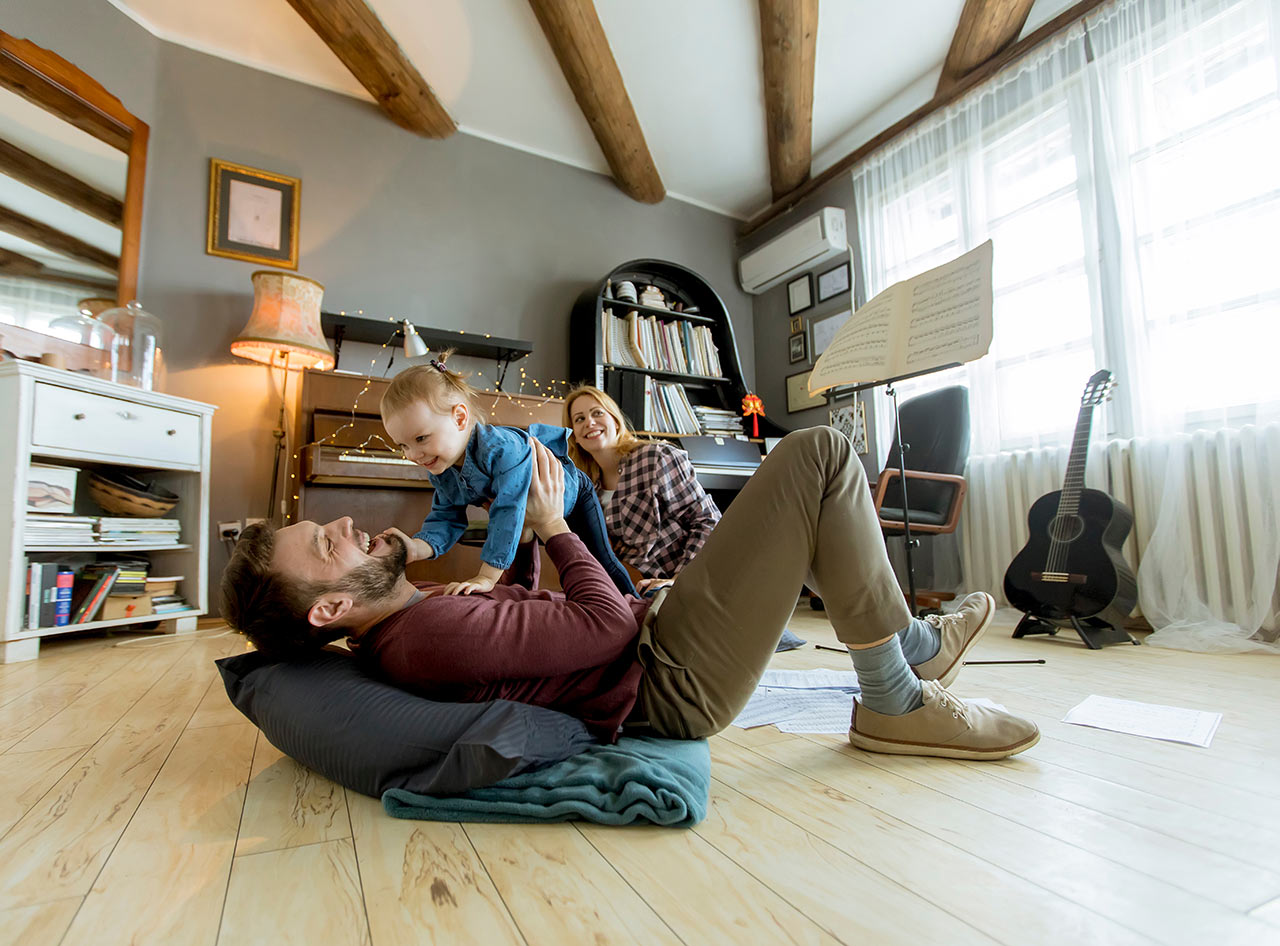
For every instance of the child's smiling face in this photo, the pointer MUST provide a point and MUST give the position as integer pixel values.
(436, 441)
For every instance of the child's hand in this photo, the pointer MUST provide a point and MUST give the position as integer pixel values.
(649, 585)
(416, 550)
(479, 583)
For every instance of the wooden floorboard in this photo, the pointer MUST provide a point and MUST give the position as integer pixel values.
(138, 806)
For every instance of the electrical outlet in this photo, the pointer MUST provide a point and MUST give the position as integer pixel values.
(229, 530)
(253, 521)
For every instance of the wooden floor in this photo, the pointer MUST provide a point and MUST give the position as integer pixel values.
(137, 806)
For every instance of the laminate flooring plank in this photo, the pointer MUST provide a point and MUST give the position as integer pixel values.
(300, 895)
(166, 879)
(831, 887)
(424, 883)
(1168, 857)
(40, 925)
(25, 714)
(216, 709)
(288, 805)
(560, 890)
(26, 776)
(58, 847)
(1128, 897)
(96, 710)
(700, 893)
(988, 897)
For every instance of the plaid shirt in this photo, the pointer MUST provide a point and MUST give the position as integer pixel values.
(660, 515)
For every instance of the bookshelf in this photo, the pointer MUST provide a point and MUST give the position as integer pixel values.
(589, 359)
(74, 420)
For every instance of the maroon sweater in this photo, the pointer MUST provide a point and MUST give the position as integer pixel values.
(573, 651)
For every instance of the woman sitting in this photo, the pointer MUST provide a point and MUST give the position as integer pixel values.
(657, 513)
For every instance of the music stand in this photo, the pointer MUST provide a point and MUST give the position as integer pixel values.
(892, 392)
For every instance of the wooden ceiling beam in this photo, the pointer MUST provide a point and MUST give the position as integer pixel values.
(789, 41)
(41, 233)
(577, 39)
(56, 183)
(42, 78)
(986, 28)
(15, 264)
(358, 38)
(976, 77)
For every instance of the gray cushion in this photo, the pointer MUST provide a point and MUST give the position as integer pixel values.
(370, 736)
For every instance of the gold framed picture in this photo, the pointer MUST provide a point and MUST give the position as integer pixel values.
(797, 324)
(253, 214)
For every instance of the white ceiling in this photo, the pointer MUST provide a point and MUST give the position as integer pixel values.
(692, 68)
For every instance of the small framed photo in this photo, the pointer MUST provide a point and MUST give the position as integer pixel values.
(796, 348)
(833, 282)
(824, 330)
(797, 324)
(800, 294)
(798, 396)
(253, 215)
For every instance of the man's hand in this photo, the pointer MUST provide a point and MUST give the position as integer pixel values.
(416, 550)
(544, 509)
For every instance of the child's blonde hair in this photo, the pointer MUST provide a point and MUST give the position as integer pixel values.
(437, 385)
(627, 439)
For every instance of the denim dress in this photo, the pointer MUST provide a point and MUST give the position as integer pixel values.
(498, 466)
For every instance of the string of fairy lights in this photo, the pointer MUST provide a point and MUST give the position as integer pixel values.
(552, 390)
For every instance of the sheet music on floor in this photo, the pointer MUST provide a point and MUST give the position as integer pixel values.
(1153, 720)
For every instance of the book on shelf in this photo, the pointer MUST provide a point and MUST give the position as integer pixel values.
(90, 591)
(157, 585)
(66, 579)
(645, 342)
(57, 530)
(667, 409)
(938, 318)
(124, 530)
(132, 579)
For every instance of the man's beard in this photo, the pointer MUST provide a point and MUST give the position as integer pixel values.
(378, 577)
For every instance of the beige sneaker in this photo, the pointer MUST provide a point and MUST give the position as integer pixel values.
(945, 726)
(960, 631)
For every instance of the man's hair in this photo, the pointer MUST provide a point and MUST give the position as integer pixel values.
(438, 386)
(270, 608)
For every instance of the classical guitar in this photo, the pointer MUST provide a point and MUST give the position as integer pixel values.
(1071, 572)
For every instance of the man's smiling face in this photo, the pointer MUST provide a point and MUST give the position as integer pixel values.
(338, 554)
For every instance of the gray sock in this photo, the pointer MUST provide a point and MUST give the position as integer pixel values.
(888, 685)
(921, 641)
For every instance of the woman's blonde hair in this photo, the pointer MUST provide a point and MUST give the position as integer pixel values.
(439, 386)
(627, 439)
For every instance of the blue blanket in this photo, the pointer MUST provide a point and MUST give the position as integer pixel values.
(662, 781)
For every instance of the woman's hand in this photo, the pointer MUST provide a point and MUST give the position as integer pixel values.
(647, 586)
(544, 509)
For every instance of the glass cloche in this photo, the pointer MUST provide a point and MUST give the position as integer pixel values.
(136, 356)
(84, 328)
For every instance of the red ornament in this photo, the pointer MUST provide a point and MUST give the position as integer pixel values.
(753, 407)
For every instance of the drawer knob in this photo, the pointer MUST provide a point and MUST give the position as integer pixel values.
(79, 416)
(170, 432)
(127, 415)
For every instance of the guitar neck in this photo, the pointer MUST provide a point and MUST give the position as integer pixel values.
(1073, 483)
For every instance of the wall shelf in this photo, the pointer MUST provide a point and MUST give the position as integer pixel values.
(377, 332)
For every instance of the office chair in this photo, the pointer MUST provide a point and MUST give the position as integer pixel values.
(933, 430)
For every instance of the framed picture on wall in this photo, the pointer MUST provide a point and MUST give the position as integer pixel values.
(797, 324)
(796, 348)
(824, 330)
(800, 293)
(798, 396)
(833, 282)
(253, 215)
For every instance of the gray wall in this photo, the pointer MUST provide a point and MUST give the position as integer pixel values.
(772, 321)
(455, 234)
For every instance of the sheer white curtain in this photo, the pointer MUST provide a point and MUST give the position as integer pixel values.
(1127, 175)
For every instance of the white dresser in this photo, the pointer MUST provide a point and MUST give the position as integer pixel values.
(52, 416)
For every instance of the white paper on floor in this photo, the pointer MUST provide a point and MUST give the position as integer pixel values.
(811, 679)
(812, 701)
(1170, 723)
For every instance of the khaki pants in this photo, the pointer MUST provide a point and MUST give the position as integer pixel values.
(805, 516)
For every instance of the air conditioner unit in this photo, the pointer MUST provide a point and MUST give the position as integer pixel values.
(810, 242)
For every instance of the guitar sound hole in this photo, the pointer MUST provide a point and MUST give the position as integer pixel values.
(1066, 528)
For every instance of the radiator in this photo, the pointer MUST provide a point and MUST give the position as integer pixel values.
(1222, 493)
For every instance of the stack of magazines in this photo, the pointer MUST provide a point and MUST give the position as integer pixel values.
(126, 530)
(52, 529)
(717, 422)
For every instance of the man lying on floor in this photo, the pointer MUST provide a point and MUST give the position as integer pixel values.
(681, 665)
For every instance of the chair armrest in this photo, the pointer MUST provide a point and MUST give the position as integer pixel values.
(953, 511)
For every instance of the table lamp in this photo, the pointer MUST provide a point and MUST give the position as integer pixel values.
(284, 332)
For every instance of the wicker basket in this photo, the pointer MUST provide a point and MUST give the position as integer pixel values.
(122, 495)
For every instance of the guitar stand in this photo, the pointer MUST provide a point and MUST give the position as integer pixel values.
(1095, 638)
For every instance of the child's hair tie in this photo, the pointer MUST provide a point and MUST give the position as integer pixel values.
(438, 365)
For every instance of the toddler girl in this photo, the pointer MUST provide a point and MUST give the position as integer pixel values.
(430, 412)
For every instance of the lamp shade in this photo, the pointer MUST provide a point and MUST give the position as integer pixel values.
(414, 346)
(284, 327)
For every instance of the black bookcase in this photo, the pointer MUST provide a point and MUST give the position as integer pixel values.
(626, 385)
